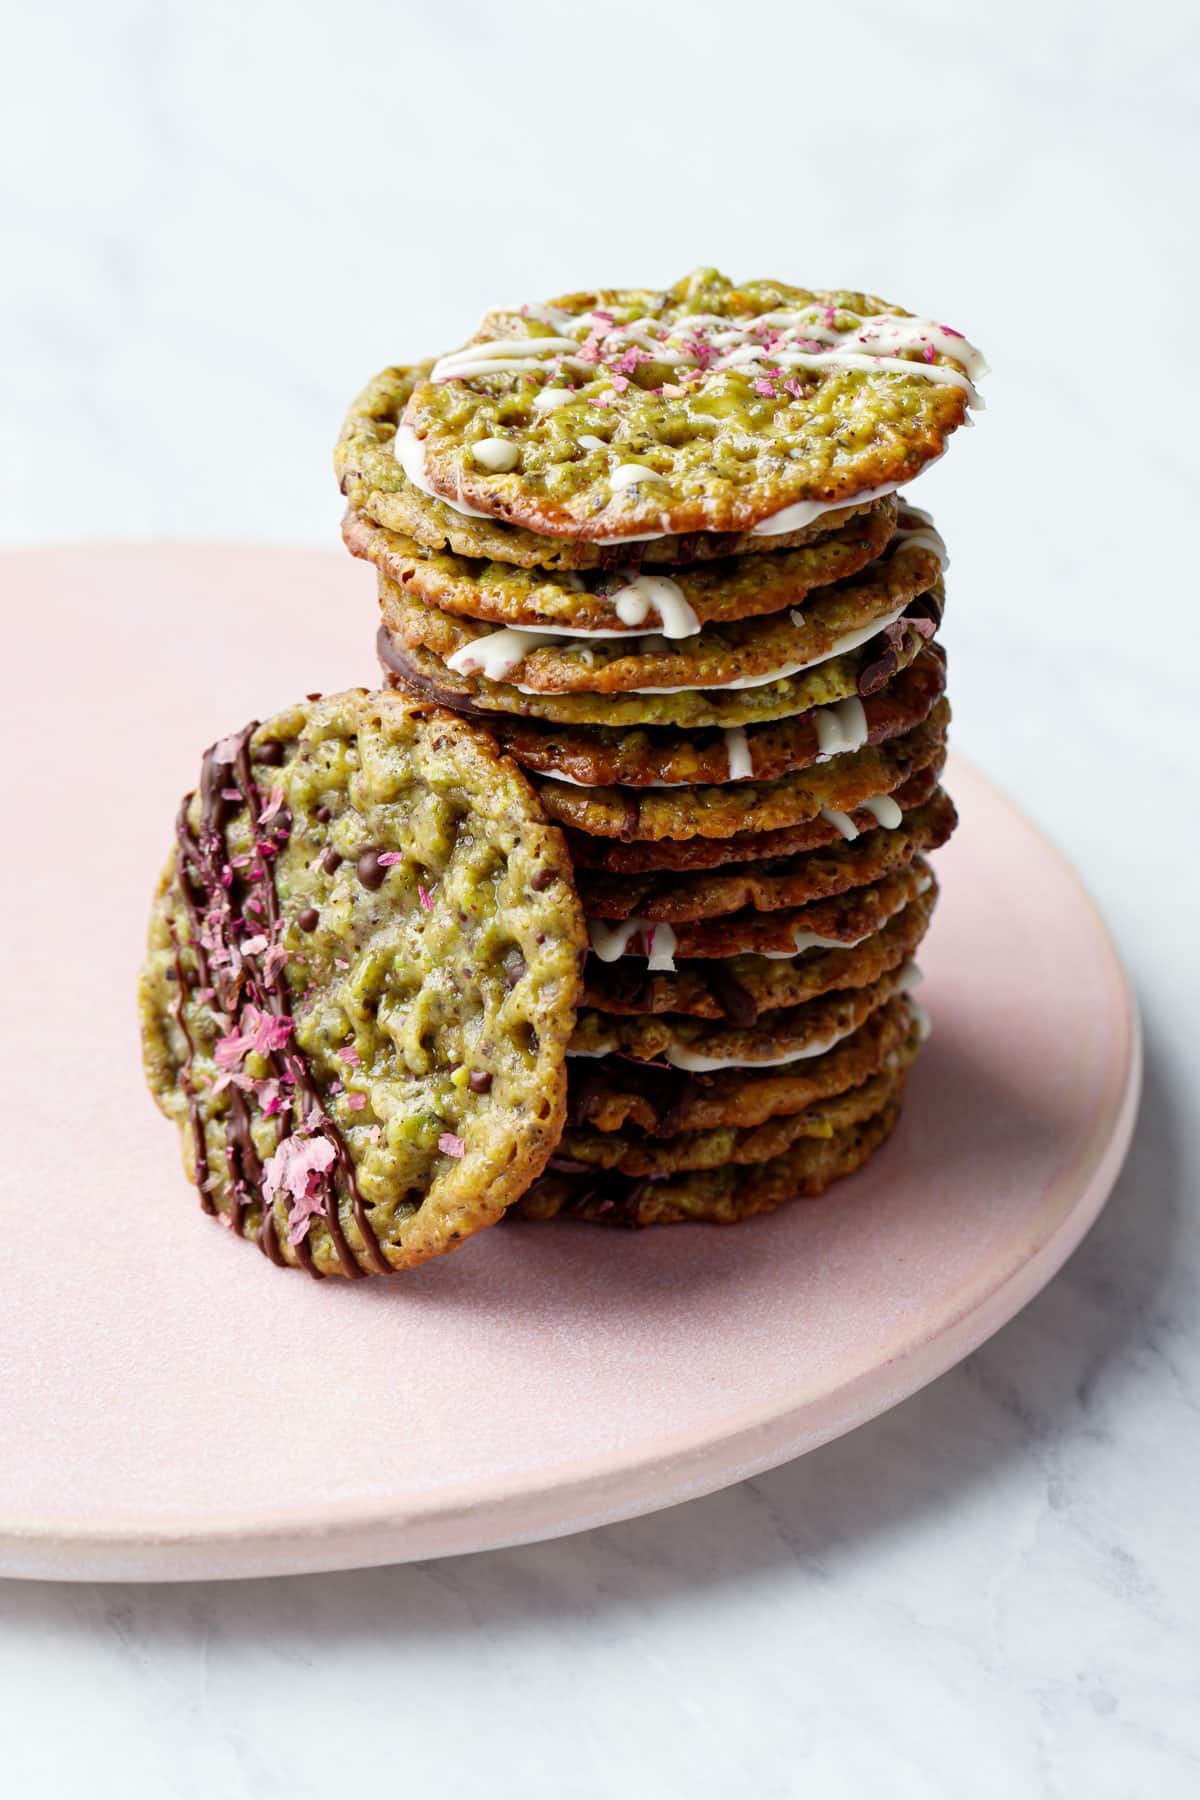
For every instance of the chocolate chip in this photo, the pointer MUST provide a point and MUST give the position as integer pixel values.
(515, 971)
(480, 1081)
(323, 815)
(270, 753)
(737, 1005)
(331, 862)
(369, 871)
(308, 919)
(542, 879)
(312, 696)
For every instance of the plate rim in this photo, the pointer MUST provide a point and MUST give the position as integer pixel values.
(644, 1477)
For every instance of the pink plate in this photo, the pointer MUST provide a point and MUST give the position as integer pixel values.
(176, 1407)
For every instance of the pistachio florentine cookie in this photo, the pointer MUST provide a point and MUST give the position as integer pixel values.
(621, 601)
(659, 756)
(371, 463)
(620, 856)
(668, 897)
(722, 1196)
(618, 413)
(833, 791)
(616, 1094)
(846, 675)
(362, 974)
(687, 653)
(631, 1152)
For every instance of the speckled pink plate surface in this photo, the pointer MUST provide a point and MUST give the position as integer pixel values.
(175, 1407)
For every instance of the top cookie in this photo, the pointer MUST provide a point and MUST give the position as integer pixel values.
(624, 413)
(362, 971)
(371, 462)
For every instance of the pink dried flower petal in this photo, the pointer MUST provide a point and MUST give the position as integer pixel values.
(449, 1145)
(225, 749)
(349, 1054)
(425, 897)
(390, 858)
(274, 802)
(356, 1102)
(255, 946)
(296, 1168)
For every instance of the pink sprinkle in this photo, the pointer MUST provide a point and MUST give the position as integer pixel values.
(425, 897)
(450, 1145)
(274, 802)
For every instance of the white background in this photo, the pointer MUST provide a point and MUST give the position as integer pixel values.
(217, 221)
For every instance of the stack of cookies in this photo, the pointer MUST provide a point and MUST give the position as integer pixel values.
(652, 543)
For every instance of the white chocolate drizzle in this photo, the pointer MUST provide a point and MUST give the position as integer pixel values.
(883, 810)
(497, 455)
(644, 594)
(629, 474)
(803, 513)
(498, 654)
(611, 942)
(924, 532)
(840, 729)
(849, 640)
(737, 749)
(409, 452)
(695, 1063)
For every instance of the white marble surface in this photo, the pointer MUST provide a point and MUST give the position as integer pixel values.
(219, 220)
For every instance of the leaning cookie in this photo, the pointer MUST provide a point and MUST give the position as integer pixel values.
(363, 968)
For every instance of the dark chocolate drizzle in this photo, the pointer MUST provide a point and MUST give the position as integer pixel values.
(212, 892)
